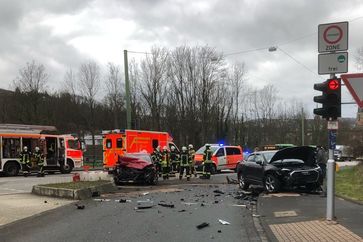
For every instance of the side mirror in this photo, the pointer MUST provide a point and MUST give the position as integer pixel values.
(259, 162)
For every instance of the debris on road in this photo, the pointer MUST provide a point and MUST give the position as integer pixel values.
(79, 206)
(145, 201)
(121, 200)
(144, 207)
(145, 193)
(202, 225)
(45, 201)
(218, 191)
(223, 222)
(239, 205)
(202, 204)
(181, 211)
(219, 231)
(189, 204)
(217, 195)
(166, 205)
(231, 181)
(216, 201)
(101, 200)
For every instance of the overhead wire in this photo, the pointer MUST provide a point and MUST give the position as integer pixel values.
(277, 46)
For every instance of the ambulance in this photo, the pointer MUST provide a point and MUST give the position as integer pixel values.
(118, 142)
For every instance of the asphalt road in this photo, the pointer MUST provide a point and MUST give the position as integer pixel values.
(109, 220)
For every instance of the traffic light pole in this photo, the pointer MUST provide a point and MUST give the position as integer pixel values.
(127, 90)
(330, 173)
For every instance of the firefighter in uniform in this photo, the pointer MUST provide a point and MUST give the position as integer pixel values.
(156, 156)
(174, 160)
(165, 163)
(192, 163)
(39, 159)
(207, 162)
(184, 163)
(25, 155)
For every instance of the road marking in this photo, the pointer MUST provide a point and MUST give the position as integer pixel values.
(282, 214)
(282, 195)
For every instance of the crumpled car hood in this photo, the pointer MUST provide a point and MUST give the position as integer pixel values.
(133, 162)
(305, 153)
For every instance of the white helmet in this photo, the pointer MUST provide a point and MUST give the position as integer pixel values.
(190, 146)
(184, 148)
(37, 149)
(25, 148)
(172, 148)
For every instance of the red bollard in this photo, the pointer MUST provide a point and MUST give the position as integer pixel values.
(76, 177)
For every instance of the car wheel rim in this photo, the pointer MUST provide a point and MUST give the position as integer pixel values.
(270, 185)
(241, 181)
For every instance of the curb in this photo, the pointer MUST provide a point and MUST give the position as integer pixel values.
(257, 221)
(75, 194)
(349, 199)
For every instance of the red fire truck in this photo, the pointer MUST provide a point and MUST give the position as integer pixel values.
(61, 152)
(117, 142)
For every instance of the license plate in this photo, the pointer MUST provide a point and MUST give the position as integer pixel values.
(305, 173)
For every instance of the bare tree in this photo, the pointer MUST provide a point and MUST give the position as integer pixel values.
(115, 91)
(32, 81)
(32, 78)
(153, 88)
(89, 85)
(238, 91)
(70, 84)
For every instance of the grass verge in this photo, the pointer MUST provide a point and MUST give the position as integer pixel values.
(349, 183)
(76, 185)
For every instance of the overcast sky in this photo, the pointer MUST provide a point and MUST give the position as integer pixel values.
(64, 33)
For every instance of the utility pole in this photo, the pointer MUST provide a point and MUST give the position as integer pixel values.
(127, 87)
(302, 127)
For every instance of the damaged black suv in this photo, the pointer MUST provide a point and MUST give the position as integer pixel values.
(290, 168)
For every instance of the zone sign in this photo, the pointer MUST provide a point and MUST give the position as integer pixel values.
(333, 37)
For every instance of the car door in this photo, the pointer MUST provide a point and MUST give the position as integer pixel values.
(221, 158)
(258, 169)
(255, 169)
(247, 166)
(234, 155)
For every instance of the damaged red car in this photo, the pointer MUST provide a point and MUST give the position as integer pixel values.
(135, 167)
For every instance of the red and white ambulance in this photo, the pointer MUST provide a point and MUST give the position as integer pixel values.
(223, 157)
(118, 142)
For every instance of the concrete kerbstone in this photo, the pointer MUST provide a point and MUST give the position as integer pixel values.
(76, 194)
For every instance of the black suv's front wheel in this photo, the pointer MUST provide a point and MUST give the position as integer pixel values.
(242, 182)
(272, 184)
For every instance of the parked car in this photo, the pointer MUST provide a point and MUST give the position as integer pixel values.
(135, 167)
(224, 157)
(289, 167)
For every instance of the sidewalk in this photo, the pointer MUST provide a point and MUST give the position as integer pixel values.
(14, 207)
(301, 217)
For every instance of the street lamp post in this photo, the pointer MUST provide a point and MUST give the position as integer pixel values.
(127, 87)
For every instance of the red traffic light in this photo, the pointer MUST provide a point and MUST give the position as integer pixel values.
(333, 84)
